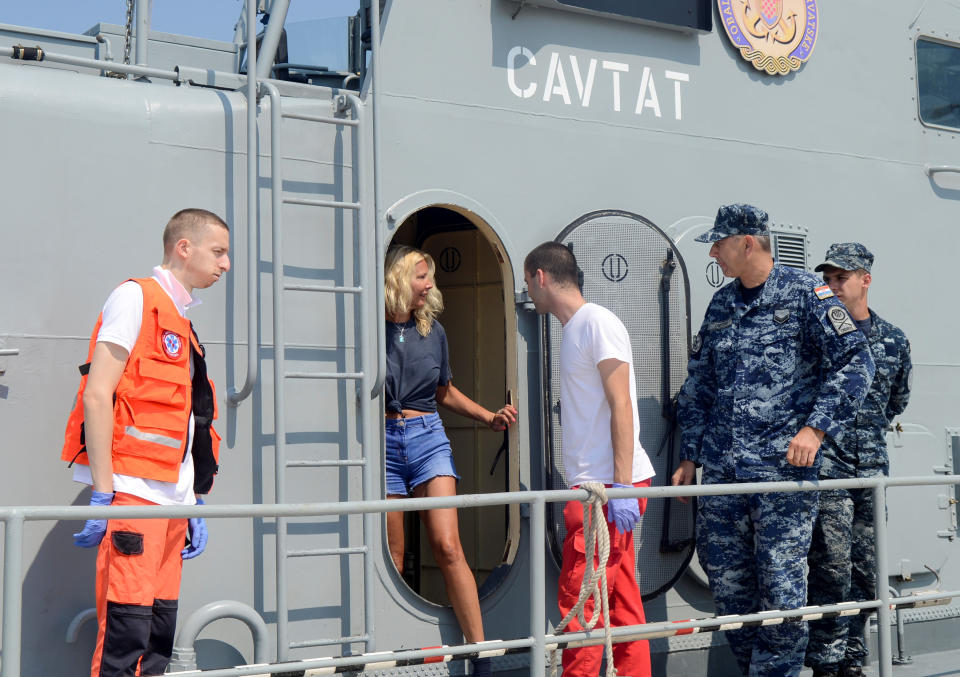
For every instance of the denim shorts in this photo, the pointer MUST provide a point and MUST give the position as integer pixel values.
(417, 451)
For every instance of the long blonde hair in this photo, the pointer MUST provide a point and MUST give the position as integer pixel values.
(399, 267)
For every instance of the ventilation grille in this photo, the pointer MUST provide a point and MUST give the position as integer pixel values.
(790, 249)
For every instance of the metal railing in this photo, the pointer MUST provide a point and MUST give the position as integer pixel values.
(539, 639)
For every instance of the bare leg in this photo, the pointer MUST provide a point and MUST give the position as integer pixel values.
(443, 532)
(395, 535)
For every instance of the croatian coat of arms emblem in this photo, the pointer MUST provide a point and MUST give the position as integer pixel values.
(776, 36)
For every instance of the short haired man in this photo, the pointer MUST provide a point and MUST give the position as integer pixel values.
(600, 434)
(140, 433)
(842, 558)
(777, 365)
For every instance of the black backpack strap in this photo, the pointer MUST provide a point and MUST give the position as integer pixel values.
(204, 464)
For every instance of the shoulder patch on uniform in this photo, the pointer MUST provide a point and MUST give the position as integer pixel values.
(841, 321)
(823, 292)
(696, 344)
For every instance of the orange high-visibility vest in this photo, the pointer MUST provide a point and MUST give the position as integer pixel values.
(152, 403)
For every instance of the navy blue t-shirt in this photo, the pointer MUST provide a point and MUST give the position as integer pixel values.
(415, 366)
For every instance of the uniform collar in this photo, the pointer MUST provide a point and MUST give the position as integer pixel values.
(765, 293)
(170, 284)
(874, 328)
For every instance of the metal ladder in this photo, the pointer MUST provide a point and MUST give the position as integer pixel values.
(360, 375)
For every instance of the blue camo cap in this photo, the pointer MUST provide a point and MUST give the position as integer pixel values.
(737, 219)
(847, 256)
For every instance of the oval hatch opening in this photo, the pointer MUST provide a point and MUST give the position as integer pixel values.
(476, 281)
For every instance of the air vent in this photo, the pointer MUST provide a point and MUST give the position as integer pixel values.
(790, 249)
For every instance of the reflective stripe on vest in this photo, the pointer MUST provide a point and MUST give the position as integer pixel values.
(152, 437)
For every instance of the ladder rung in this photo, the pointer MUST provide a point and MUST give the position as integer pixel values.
(319, 118)
(324, 552)
(346, 376)
(324, 288)
(326, 464)
(328, 642)
(320, 203)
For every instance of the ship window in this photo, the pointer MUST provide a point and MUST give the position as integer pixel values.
(938, 83)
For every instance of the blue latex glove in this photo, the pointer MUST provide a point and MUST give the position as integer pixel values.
(93, 530)
(197, 530)
(624, 512)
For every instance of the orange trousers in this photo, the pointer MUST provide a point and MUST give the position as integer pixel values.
(626, 608)
(138, 583)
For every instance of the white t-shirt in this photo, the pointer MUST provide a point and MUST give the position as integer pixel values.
(592, 335)
(122, 315)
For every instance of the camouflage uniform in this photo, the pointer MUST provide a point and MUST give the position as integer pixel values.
(756, 378)
(842, 559)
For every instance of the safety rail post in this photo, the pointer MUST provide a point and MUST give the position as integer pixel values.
(271, 37)
(12, 593)
(234, 397)
(884, 651)
(377, 197)
(143, 31)
(279, 405)
(365, 390)
(538, 603)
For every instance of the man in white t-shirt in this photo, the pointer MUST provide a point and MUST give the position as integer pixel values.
(600, 432)
(141, 434)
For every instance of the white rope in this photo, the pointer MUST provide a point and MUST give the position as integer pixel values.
(594, 532)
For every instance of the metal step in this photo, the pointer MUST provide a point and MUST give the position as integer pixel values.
(311, 202)
(327, 552)
(327, 464)
(341, 375)
(319, 118)
(323, 288)
(327, 642)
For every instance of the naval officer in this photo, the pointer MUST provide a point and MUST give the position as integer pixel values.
(842, 558)
(777, 366)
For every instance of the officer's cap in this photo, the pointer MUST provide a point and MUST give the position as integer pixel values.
(736, 219)
(847, 256)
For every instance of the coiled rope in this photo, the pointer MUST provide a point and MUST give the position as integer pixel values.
(594, 576)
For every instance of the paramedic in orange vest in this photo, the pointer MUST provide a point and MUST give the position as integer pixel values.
(140, 433)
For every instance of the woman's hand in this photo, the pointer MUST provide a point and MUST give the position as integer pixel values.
(451, 398)
(503, 418)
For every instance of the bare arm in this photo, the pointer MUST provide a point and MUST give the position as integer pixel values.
(106, 368)
(451, 398)
(615, 376)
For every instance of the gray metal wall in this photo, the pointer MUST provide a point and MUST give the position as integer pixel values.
(94, 167)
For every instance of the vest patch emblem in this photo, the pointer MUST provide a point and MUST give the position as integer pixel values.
(172, 344)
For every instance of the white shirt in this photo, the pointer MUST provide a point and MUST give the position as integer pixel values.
(122, 315)
(592, 335)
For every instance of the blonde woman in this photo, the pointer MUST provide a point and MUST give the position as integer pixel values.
(419, 461)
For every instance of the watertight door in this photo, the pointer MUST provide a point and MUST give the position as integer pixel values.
(632, 268)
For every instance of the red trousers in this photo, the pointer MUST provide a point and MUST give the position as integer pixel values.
(138, 583)
(626, 608)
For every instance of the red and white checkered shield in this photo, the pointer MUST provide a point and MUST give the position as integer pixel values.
(771, 10)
